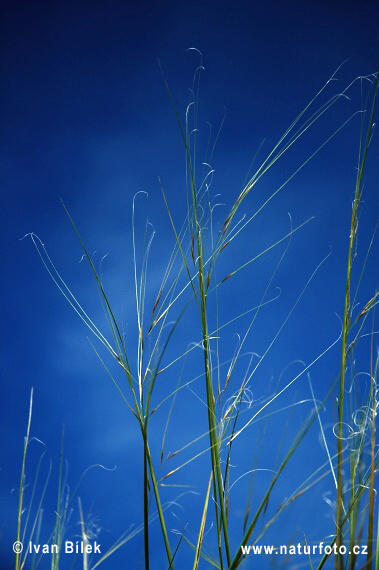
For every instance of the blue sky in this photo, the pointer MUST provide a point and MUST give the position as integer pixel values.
(86, 117)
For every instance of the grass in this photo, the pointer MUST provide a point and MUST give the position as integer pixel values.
(191, 291)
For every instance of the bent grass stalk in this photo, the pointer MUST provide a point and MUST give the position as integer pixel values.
(197, 256)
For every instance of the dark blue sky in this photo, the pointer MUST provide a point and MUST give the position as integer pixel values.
(85, 117)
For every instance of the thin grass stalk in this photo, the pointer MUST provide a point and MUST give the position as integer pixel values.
(32, 497)
(256, 457)
(58, 520)
(140, 300)
(159, 504)
(339, 560)
(356, 461)
(211, 405)
(84, 536)
(215, 448)
(202, 526)
(340, 506)
(214, 444)
(33, 565)
(38, 510)
(377, 543)
(145, 500)
(370, 534)
(22, 481)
